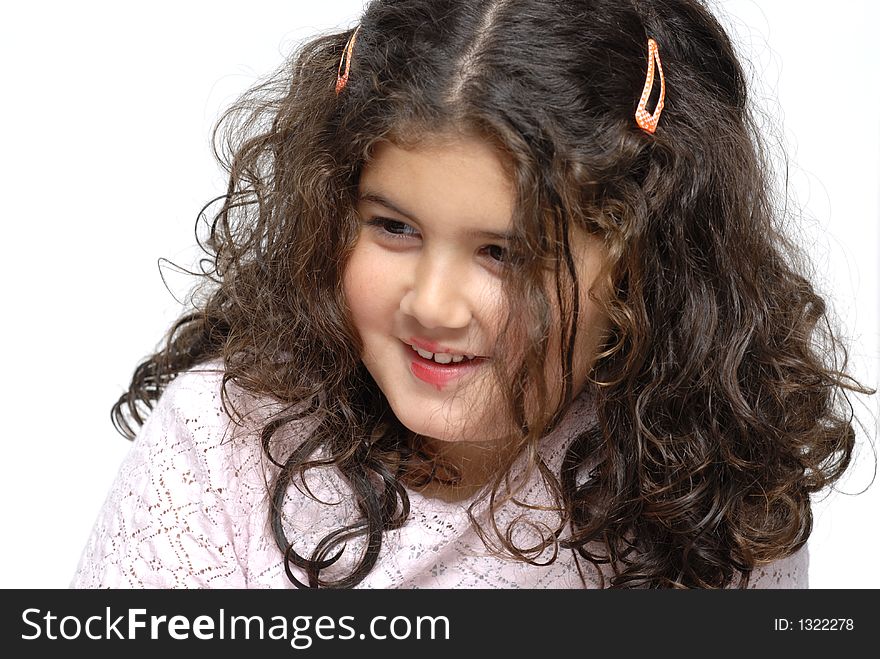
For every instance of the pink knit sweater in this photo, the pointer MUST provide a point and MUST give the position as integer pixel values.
(189, 509)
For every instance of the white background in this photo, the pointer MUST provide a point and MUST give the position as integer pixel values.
(106, 115)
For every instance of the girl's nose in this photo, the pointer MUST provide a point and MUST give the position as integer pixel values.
(437, 297)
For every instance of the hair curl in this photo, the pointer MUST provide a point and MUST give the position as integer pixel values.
(721, 390)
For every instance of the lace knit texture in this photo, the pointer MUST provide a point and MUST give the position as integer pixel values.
(189, 509)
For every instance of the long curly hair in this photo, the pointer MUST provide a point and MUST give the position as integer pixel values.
(720, 392)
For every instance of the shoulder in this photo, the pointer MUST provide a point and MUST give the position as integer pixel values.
(200, 411)
(787, 573)
(188, 503)
(205, 422)
(197, 393)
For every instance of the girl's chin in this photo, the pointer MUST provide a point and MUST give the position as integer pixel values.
(437, 434)
(451, 430)
(463, 416)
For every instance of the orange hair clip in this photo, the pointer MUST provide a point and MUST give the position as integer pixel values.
(648, 122)
(342, 76)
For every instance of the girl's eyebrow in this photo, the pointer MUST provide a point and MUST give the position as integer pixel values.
(380, 199)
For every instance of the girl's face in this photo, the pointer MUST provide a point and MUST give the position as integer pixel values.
(424, 285)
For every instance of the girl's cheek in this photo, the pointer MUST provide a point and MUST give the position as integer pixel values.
(494, 308)
(365, 271)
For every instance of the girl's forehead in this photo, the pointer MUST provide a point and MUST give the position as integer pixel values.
(466, 148)
(463, 177)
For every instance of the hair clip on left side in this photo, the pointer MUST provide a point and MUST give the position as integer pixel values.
(345, 61)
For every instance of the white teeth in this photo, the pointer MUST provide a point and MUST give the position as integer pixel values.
(443, 357)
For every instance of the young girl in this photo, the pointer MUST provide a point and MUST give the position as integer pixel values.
(497, 297)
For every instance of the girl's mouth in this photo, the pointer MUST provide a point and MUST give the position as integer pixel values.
(441, 368)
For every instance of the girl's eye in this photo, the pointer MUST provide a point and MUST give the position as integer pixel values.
(496, 253)
(394, 228)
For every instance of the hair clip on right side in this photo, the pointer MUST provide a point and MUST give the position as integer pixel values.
(646, 121)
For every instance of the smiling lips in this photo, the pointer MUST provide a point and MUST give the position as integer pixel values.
(438, 367)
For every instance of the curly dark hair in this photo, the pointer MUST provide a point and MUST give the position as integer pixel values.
(721, 390)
